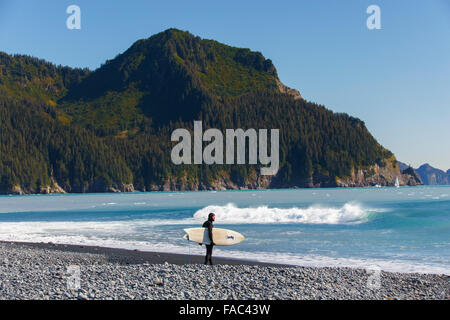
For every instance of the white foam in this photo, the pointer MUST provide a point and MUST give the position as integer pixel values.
(116, 234)
(350, 213)
(310, 260)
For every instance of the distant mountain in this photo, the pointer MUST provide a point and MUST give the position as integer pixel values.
(433, 176)
(76, 130)
(403, 166)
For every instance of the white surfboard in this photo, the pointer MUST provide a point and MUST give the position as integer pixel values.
(222, 237)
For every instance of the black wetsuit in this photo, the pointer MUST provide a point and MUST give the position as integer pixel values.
(209, 247)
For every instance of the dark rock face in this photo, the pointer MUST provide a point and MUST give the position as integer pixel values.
(380, 175)
(415, 178)
(372, 176)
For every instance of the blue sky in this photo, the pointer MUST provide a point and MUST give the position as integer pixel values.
(396, 79)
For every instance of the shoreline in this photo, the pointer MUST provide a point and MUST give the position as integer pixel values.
(43, 271)
(128, 256)
(137, 191)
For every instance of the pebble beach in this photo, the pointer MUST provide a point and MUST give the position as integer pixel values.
(62, 272)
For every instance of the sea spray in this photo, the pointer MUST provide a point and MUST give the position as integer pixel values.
(349, 213)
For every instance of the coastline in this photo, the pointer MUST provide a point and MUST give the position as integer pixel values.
(129, 257)
(370, 177)
(20, 192)
(158, 191)
(42, 271)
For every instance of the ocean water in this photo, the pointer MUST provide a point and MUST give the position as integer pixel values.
(405, 229)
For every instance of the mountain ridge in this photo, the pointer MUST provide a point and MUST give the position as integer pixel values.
(429, 174)
(109, 129)
(433, 176)
(180, 72)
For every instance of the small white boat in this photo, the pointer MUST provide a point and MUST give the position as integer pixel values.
(397, 183)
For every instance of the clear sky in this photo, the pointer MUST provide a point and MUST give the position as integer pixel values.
(396, 79)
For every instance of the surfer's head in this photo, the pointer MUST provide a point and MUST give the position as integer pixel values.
(211, 217)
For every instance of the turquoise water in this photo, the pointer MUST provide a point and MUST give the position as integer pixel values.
(404, 229)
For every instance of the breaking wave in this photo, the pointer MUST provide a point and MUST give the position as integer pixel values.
(350, 213)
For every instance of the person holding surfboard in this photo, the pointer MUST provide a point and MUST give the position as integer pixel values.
(204, 235)
(209, 247)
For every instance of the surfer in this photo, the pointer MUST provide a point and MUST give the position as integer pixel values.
(209, 247)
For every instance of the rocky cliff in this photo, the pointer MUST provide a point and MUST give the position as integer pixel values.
(384, 174)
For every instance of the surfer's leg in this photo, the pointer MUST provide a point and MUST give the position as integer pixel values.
(208, 254)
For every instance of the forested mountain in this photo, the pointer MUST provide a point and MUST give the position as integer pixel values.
(72, 130)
